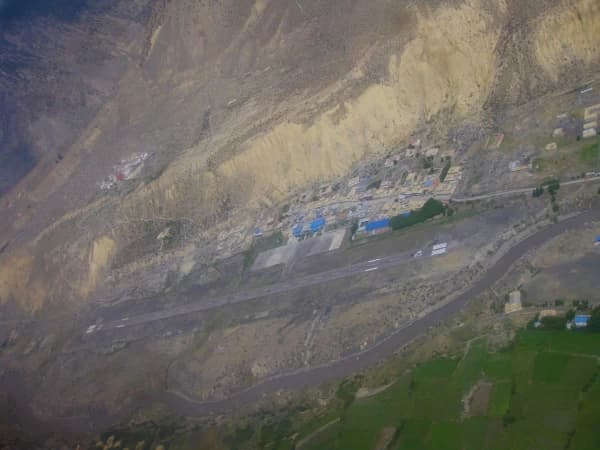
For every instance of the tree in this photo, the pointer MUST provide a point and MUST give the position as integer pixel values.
(538, 191)
(445, 170)
(554, 323)
(430, 209)
(594, 323)
(553, 187)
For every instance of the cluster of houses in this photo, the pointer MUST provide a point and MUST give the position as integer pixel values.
(127, 169)
(590, 121)
(378, 190)
(514, 304)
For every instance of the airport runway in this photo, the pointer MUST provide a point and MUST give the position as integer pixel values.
(364, 267)
(305, 378)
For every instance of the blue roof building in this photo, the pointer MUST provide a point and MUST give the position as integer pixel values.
(317, 224)
(377, 225)
(297, 230)
(581, 320)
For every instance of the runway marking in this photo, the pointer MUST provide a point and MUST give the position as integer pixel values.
(371, 269)
(374, 260)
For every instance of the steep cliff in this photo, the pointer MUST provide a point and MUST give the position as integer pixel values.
(240, 103)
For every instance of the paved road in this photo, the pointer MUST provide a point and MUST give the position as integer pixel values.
(315, 376)
(115, 319)
(527, 190)
(249, 294)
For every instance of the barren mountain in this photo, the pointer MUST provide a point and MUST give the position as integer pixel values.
(224, 108)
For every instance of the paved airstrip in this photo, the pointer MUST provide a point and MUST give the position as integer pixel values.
(371, 265)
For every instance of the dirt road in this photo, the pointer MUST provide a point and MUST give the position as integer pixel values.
(184, 405)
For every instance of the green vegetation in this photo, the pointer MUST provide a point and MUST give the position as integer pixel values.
(572, 158)
(545, 394)
(590, 154)
(427, 163)
(500, 400)
(430, 209)
(374, 185)
(553, 186)
(594, 323)
(445, 170)
(581, 305)
(353, 227)
(262, 244)
(554, 323)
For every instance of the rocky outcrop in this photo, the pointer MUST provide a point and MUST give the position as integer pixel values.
(242, 102)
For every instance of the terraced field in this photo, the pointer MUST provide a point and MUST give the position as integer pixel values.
(545, 394)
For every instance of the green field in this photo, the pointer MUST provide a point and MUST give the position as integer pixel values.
(546, 395)
(541, 392)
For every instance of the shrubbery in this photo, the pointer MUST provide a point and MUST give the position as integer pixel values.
(554, 323)
(430, 209)
(445, 170)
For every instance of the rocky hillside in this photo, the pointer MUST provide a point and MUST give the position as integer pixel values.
(238, 103)
(135, 134)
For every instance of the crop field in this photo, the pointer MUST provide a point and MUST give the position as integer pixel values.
(545, 394)
(541, 392)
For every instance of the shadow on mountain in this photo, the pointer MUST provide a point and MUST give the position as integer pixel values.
(65, 10)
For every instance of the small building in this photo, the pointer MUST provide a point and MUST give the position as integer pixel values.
(589, 133)
(558, 132)
(581, 320)
(258, 232)
(377, 226)
(415, 143)
(597, 241)
(387, 184)
(317, 224)
(515, 166)
(363, 184)
(432, 152)
(298, 230)
(353, 182)
(591, 110)
(551, 146)
(514, 302)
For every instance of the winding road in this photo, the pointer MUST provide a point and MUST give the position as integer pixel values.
(527, 190)
(185, 405)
